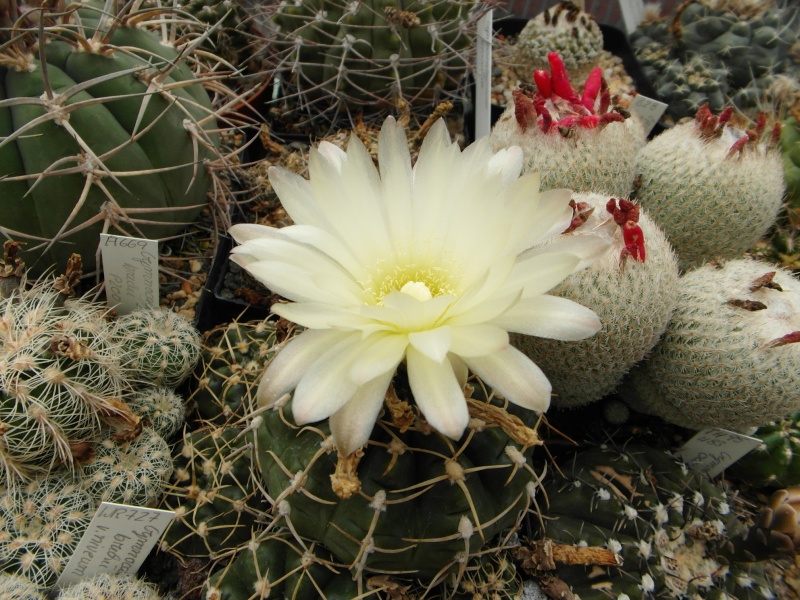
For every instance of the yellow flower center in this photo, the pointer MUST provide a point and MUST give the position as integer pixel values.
(419, 278)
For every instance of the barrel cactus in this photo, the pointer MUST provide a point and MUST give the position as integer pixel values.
(372, 509)
(729, 357)
(106, 130)
(573, 140)
(676, 534)
(346, 57)
(633, 293)
(713, 188)
(776, 461)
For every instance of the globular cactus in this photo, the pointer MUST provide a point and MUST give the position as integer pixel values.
(214, 493)
(776, 461)
(131, 472)
(372, 509)
(231, 363)
(110, 587)
(690, 84)
(159, 347)
(633, 289)
(674, 533)
(41, 523)
(60, 379)
(277, 566)
(346, 57)
(712, 188)
(573, 140)
(160, 408)
(17, 587)
(106, 130)
(729, 357)
(565, 29)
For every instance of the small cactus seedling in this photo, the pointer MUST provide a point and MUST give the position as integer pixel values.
(110, 587)
(41, 523)
(158, 347)
(160, 408)
(129, 472)
(574, 140)
(729, 357)
(714, 189)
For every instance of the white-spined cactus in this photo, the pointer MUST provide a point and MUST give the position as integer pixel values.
(730, 356)
(633, 290)
(714, 189)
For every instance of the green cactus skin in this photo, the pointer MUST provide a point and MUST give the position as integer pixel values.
(711, 201)
(633, 299)
(159, 347)
(153, 146)
(231, 363)
(776, 462)
(689, 84)
(727, 358)
(41, 523)
(370, 55)
(131, 472)
(110, 587)
(16, 587)
(276, 566)
(161, 408)
(60, 380)
(563, 28)
(214, 494)
(790, 148)
(426, 503)
(674, 530)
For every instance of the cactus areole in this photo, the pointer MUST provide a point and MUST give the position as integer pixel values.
(102, 129)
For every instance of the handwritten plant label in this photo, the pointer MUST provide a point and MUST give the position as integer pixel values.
(117, 541)
(130, 268)
(648, 110)
(483, 75)
(632, 13)
(714, 450)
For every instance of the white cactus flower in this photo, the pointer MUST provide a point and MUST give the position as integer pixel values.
(432, 265)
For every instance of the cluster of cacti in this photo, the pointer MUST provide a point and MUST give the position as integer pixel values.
(714, 189)
(729, 356)
(574, 140)
(674, 533)
(746, 43)
(564, 28)
(633, 290)
(105, 130)
(776, 461)
(342, 57)
(373, 509)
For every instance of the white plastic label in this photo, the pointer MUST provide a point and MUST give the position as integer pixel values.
(632, 13)
(648, 110)
(483, 76)
(130, 268)
(116, 542)
(714, 450)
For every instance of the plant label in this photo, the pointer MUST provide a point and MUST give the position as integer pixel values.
(117, 540)
(648, 110)
(130, 269)
(714, 450)
(632, 13)
(483, 76)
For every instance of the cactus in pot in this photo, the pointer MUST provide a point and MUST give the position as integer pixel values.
(104, 129)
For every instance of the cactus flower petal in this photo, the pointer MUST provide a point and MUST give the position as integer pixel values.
(432, 264)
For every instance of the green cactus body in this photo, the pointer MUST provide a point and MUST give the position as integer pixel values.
(417, 503)
(110, 587)
(60, 379)
(563, 28)
(41, 523)
(106, 148)
(790, 148)
(279, 567)
(728, 358)
(712, 192)
(213, 493)
(673, 530)
(776, 462)
(689, 84)
(231, 363)
(129, 472)
(158, 347)
(634, 300)
(160, 407)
